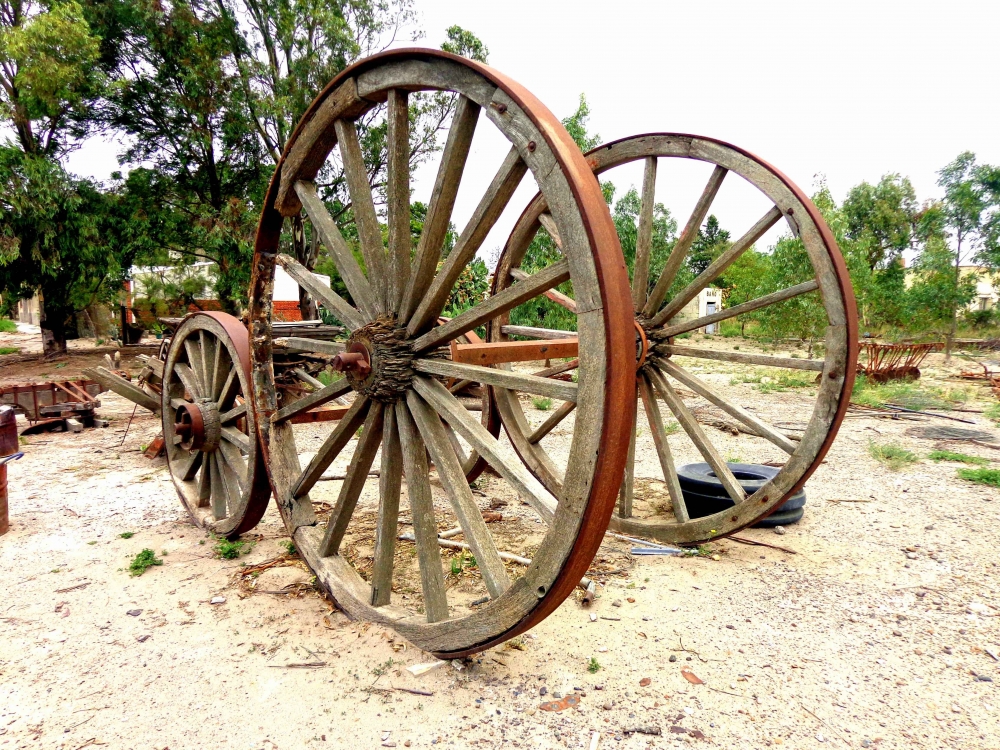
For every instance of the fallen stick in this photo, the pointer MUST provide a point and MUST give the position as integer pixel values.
(307, 664)
(413, 691)
(744, 540)
(643, 542)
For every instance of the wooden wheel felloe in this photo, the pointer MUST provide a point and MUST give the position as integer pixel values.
(398, 360)
(666, 366)
(208, 428)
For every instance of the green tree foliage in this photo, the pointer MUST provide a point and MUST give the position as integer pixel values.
(711, 242)
(880, 219)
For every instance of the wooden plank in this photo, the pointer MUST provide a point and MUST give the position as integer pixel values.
(552, 422)
(548, 372)
(398, 197)
(495, 305)
(667, 466)
(697, 435)
(348, 315)
(236, 463)
(205, 481)
(237, 438)
(702, 389)
(296, 344)
(357, 475)
(442, 202)
(463, 502)
(186, 466)
(323, 414)
(237, 412)
(514, 351)
(332, 446)
(644, 238)
(363, 206)
(718, 266)
(499, 378)
(491, 205)
(497, 455)
(414, 454)
(122, 387)
(347, 265)
(553, 294)
(311, 401)
(532, 332)
(746, 307)
(225, 491)
(188, 379)
(683, 244)
(815, 365)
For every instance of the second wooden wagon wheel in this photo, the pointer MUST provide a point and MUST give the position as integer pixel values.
(208, 426)
(398, 360)
(666, 365)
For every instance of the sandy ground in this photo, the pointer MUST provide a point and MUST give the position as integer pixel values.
(877, 632)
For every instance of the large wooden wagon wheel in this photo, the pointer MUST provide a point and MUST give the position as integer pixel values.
(398, 363)
(666, 366)
(208, 426)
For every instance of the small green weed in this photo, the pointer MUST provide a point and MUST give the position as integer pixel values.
(227, 550)
(993, 412)
(464, 560)
(671, 427)
(907, 394)
(127, 534)
(685, 335)
(289, 546)
(542, 404)
(593, 666)
(7, 326)
(143, 561)
(9, 349)
(92, 543)
(699, 551)
(892, 455)
(964, 458)
(990, 477)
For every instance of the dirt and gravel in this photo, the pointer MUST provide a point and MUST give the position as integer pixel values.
(877, 625)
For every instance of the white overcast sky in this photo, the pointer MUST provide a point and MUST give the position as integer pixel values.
(850, 89)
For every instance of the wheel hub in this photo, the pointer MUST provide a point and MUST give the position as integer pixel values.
(198, 425)
(377, 361)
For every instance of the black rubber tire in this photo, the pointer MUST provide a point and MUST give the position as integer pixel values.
(700, 504)
(781, 518)
(700, 477)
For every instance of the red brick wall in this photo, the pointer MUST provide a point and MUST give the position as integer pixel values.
(287, 311)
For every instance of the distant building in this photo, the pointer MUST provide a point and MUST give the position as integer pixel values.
(708, 301)
(987, 293)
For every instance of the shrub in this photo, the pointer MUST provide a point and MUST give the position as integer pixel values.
(7, 326)
(542, 404)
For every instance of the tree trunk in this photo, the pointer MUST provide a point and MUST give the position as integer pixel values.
(52, 321)
(949, 339)
(306, 254)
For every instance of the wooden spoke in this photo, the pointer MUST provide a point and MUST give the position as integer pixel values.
(206, 350)
(357, 474)
(742, 357)
(644, 239)
(495, 305)
(552, 422)
(530, 332)
(497, 352)
(449, 177)
(398, 197)
(483, 218)
(332, 446)
(548, 372)
(240, 410)
(463, 503)
(197, 368)
(189, 380)
(222, 487)
(702, 389)
(683, 243)
(205, 482)
(296, 344)
(215, 374)
(343, 258)
(188, 466)
(499, 378)
(627, 490)
(455, 444)
(236, 463)
(363, 206)
(230, 388)
(308, 379)
(348, 315)
(667, 466)
(311, 401)
(697, 435)
(549, 224)
(718, 266)
(506, 463)
(553, 294)
(422, 510)
(237, 438)
(386, 527)
(732, 312)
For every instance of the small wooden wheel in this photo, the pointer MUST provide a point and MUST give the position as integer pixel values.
(666, 365)
(397, 363)
(209, 431)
